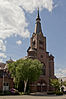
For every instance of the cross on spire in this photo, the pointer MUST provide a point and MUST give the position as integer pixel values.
(38, 17)
(38, 12)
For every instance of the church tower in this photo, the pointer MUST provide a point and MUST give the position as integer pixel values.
(38, 41)
(37, 50)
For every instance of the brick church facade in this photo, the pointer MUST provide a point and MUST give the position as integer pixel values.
(6, 81)
(37, 50)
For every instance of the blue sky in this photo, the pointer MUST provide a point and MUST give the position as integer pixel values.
(17, 23)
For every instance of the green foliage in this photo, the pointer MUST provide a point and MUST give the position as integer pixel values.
(25, 70)
(28, 70)
(64, 92)
(64, 83)
(21, 93)
(12, 68)
(55, 83)
(8, 93)
(59, 93)
(5, 93)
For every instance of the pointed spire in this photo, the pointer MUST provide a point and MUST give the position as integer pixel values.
(38, 17)
(38, 11)
(38, 24)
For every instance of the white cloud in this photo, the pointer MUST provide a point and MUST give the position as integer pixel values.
(61, 72)
(31, 5)
(19, 42)
(12, 16)
(1, 60)
(13, 20)
(2, 46)
(2, 55)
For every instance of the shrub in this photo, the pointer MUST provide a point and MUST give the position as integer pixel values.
(27, 93)
(50, 92)
(64, 92)
(59, 93)
(5, 93)
(21, 93)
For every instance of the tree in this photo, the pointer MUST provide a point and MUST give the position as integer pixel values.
(26, 70)
(12, 70)
(55, 83)
(64, 83)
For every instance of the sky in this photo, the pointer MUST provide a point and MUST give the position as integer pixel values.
(17, 23)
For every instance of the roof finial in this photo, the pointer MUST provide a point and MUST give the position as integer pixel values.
(38, 12)
(38, 17)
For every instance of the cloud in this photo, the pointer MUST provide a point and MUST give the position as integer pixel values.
(2, 46)
(13, 20)
(19, 42)
(2, 56)
(55, 5)
(61, 72)
(1, 60)
(31, 5)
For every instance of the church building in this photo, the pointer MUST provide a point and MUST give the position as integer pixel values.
(37, 50)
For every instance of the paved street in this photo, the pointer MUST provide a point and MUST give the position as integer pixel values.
(33, 97)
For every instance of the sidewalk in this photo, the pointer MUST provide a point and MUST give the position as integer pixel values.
(39, 94)
(33, 97)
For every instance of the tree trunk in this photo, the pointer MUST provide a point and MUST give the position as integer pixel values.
(25, 85)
